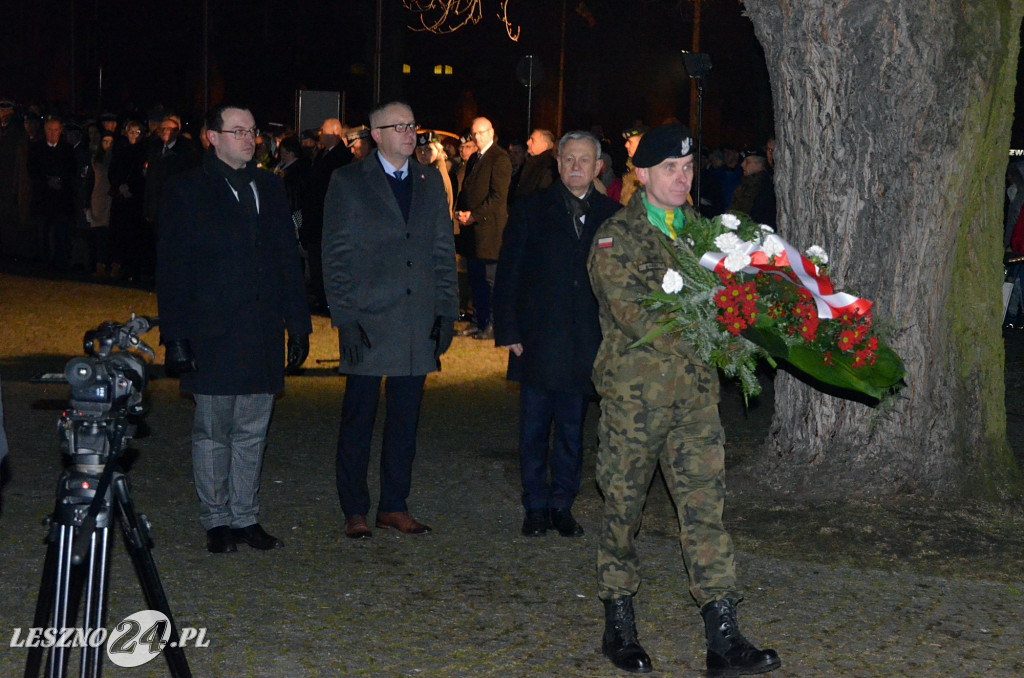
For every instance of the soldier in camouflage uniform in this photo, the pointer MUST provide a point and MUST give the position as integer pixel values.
(659, 404)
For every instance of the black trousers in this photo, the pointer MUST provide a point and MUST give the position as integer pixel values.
(402, 396)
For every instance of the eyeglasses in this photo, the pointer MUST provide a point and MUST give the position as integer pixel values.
(402, 127)
(239, 134)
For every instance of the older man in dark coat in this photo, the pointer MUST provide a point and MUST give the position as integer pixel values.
(546, 314)
(228, 285)
(481, 212)
(389, 274)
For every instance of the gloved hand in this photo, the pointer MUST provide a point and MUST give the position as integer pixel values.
(178, 358)
(298, 351)
(442, 333)
(351, 340)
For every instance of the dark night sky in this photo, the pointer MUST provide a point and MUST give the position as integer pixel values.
(622, 61)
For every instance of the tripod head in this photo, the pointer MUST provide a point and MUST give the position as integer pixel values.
(107, 386)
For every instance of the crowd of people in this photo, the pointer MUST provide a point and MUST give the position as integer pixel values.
(396, 234)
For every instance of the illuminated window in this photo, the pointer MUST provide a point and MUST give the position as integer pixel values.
(437, 69)
(447, 70)
(442, 69)
(406, 69)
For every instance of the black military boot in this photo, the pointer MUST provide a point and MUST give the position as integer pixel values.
(729, 653)
(619, 643)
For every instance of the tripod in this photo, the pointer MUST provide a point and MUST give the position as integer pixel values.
(91, 496)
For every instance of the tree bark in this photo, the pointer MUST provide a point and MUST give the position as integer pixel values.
(892, 127)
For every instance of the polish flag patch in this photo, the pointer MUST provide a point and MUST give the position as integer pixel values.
(603, 243)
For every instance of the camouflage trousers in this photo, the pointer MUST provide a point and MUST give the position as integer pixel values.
(689, 445)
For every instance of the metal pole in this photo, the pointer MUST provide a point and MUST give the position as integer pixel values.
(700, 133)
(206, 57)
(561, 73)
(74, 63)
(378, 41)
(529, 98)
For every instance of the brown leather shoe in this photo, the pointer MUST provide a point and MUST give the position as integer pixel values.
(357, 528)
(401, 521)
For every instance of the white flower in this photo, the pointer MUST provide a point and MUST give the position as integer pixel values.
(766, 228)
(772, 246)
(730, 221)
(672, 282)
(737, 261)
(727, 242)
(817, 255)
(689, 241)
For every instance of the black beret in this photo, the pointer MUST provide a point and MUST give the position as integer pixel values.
(661, 143)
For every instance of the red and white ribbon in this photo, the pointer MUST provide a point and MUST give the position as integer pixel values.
(830, 304)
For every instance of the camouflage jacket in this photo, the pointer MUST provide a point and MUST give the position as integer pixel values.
(628, 261)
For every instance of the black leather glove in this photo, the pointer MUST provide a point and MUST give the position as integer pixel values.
(351, 340)
(178, 358)
(442, 333)
(298, 351)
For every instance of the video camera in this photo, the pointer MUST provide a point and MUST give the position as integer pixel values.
(107, 386)
(105, 380)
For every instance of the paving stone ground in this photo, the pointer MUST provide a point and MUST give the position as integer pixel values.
(472, 599)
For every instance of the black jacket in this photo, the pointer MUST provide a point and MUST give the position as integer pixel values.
(542, 296)
(228, 283)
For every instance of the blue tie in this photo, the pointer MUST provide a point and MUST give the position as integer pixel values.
(398, 175)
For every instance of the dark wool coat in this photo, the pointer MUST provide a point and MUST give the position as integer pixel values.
(542, 296)
(228, 288)
(391, 276)
(485, 194)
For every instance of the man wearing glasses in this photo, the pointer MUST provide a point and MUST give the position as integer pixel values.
(389, 273)
(229, 284)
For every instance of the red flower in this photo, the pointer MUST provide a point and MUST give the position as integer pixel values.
(847, 340)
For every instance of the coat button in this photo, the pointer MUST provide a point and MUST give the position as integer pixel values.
(408, 291)
(409, 264)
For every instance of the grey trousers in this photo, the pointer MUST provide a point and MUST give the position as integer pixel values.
(229, 435)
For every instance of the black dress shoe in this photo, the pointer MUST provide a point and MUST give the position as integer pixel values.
(220, 540)
(562, 520)
(256, 537)
(535, 524)
(486, 334)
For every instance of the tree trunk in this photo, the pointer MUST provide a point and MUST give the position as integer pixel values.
(892, 128)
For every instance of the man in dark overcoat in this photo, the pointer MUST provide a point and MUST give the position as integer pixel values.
(546, 314)
(389, 274)
(482, 211)
(229, 284)
(51, 166)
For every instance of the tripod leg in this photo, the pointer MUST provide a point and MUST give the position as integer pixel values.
(95, 600)
(44, 601)
(136, 537)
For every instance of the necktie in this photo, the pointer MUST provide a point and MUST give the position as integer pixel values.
(398, 175)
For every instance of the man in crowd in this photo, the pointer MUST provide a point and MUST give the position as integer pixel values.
(659, 404)
(629, 183)
(228, 286)
(546, 315)
(482, 211)
(169, 156)
(51, 166)
(540, 168)
(360, 143)
(389, 274)
(333, 154)
(16, 240)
